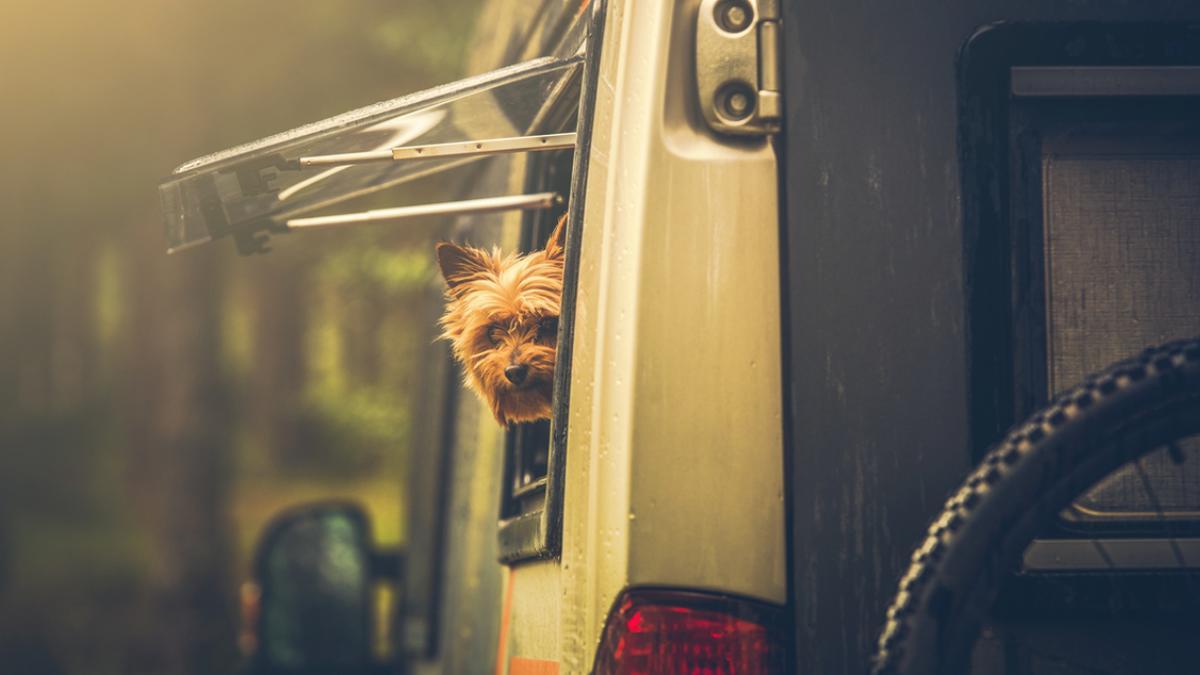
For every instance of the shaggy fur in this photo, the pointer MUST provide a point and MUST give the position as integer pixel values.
(502, 322)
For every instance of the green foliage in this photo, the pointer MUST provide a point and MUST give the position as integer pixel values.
(348, 433)
(427, 36)
(132, 480)
(354, 408)
(109, 300)
(371, 268)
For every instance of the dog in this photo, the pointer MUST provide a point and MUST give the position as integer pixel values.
(501, 320)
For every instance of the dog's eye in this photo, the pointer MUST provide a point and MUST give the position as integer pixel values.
(496, 334)
(548, 328)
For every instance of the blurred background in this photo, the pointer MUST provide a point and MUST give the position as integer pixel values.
(155, 412)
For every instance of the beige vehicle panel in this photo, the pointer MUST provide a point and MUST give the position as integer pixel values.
(674, 464)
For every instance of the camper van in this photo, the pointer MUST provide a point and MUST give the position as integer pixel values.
(819, 257)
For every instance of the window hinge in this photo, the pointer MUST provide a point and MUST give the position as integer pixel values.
(737, 66)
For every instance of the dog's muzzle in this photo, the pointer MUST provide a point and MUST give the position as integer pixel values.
(516, 373)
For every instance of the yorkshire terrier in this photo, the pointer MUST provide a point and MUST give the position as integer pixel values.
(502, 323)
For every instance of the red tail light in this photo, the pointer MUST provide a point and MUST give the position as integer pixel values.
(661, 632)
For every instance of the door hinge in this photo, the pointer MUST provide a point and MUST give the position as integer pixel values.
(737, 66)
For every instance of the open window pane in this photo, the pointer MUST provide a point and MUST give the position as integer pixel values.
(258, 185)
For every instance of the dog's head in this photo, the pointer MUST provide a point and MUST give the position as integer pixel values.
(502, 322)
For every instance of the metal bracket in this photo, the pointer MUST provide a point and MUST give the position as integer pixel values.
(539, 200)
(479, 148)
(737, 66)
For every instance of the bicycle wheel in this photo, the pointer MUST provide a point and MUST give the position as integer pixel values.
(1024, 482)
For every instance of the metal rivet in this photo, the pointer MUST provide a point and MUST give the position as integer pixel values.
(736, 101)
(739, 103)
(733, 16)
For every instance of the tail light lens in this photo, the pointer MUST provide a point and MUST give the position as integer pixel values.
(653, 632)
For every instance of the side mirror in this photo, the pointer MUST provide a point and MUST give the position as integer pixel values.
(316, 572)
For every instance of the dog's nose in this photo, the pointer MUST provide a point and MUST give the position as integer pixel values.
(516, 374)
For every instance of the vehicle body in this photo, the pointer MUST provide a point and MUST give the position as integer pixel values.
(780, 350)
(629, 517)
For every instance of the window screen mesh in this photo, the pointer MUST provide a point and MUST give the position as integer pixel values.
(1122, 245)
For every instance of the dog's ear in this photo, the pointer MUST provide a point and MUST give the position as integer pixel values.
(460, 263)
(557, 240)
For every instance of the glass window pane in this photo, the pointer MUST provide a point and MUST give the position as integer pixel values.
(257, 185)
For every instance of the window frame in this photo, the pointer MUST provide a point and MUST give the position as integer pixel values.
(528, 532)
(1000, 150)
(1001, 261)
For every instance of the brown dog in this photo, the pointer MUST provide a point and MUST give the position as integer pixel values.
(502, 322)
